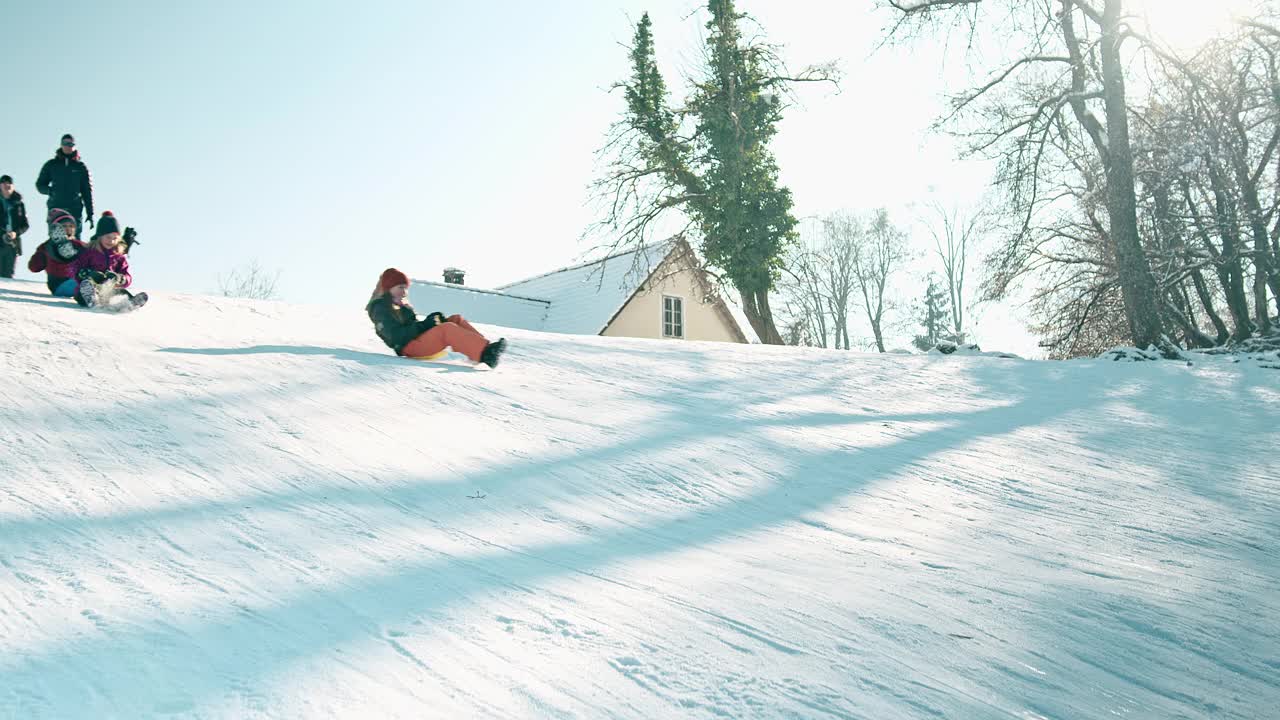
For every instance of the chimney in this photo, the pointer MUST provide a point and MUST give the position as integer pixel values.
(453, 276)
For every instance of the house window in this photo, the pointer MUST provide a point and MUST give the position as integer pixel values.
(672, 317)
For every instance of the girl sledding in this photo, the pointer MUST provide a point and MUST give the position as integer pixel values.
(102, 270)
(399, 327)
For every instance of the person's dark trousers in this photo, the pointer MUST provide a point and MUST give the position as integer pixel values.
(8, 254)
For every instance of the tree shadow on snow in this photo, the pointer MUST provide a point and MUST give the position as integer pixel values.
(1167, 577)
(366, 358)
(203, 658)
(22, 296)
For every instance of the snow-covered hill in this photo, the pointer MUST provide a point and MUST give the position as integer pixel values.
(227, 509)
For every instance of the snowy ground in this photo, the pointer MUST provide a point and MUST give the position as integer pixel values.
(228, 509)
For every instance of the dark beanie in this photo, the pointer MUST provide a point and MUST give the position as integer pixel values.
(392, 277)
(5, 179)
(106, 225)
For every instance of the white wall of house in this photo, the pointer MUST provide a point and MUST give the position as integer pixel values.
(642, 316)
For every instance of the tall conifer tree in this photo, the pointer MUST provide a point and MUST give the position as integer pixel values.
(722, 175)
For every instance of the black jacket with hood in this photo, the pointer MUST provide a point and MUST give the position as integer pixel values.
(18, 218)
(66, 180)
(397, 325)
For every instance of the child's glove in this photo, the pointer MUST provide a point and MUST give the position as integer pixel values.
(430, 321)
(65, 250)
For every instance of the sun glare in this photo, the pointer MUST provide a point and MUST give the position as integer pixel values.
(1188, 24)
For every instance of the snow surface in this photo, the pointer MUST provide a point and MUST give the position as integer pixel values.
(226, 509)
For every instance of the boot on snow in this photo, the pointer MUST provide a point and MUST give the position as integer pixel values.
(123, 301)
(130, 302)
(493, 351)
(88, 293)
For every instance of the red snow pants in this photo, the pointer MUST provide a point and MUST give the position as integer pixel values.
(454, 332)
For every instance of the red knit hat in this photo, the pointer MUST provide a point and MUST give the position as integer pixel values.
(58, 216)
(390, 278)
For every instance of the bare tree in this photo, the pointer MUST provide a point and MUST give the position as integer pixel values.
(1068, 69)
(1209, 148)
(880, 255)
(843, 238)
(954, 233)
(805, 298)
(250, 281)
(820, 277)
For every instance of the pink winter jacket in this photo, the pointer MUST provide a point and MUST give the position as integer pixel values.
(95, 258)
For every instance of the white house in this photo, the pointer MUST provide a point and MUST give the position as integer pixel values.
(658, 291)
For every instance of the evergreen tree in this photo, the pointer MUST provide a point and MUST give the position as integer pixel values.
(935, 316)
(647, 111)
(746, 218)
(722, 176)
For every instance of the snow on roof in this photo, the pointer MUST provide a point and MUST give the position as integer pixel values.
(585, 298)
(482, 306)
(578, 300)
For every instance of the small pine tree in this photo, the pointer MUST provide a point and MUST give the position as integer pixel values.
(935, 316)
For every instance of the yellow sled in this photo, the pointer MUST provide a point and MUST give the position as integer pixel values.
(437, 356)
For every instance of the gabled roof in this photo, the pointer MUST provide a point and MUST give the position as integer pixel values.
(579, 300)
(585, 298)
(484, 306)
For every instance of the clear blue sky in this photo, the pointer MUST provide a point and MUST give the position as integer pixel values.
(332, 139)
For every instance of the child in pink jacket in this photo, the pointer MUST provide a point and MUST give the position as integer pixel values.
(102, 268)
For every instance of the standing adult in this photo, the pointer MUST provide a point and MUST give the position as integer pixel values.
(13, 222)
(65, 179)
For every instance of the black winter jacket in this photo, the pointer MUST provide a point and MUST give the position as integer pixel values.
(18, 216)
(66, 180)
(397, 326)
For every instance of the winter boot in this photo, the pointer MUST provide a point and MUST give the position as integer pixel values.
(122, 303)
(88, 293)
(493, 351)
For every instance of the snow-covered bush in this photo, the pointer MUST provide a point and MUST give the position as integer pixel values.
(1262, 349)
(948, 347)
(1130, 354)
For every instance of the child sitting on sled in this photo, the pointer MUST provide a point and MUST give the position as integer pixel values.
(102, 269)
(397, 325)
(55, 256)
